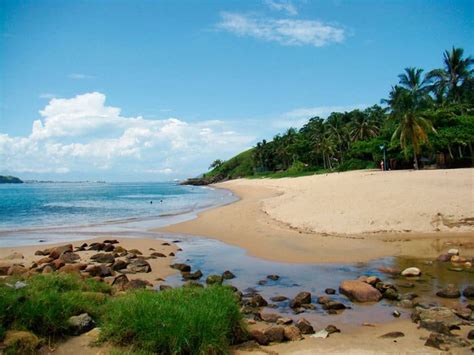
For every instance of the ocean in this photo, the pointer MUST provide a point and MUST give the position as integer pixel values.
(37, 207)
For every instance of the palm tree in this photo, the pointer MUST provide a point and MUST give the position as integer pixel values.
(362, 126)
(412, 127)
(448, 82)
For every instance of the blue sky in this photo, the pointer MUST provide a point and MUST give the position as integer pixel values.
(155, 90)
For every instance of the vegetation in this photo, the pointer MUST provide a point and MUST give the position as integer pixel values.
(10, 180)
(425, 116)
(177, 321)
(186, 320)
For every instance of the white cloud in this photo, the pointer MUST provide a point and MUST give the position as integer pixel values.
(282, 5)
(290, 32)
(80, 76)
(299, 116)
(83, 133)
(47, 95)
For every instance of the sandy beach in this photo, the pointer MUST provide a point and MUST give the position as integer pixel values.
(345, 217)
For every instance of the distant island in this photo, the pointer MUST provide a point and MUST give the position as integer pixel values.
(10, 180)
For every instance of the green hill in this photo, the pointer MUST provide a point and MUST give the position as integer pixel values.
(10, 180)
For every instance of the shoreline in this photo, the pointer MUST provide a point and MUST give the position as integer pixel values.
(247, 224)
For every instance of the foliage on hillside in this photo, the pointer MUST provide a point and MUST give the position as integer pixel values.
(10, 180)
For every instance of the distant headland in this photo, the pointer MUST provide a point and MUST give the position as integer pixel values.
(10, 180)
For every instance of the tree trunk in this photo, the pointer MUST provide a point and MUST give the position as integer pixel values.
(460, 151)
(450, 152)
(416, 161)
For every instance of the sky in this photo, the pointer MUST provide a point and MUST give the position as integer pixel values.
(156, 90)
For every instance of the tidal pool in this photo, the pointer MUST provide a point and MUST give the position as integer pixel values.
(214, 257)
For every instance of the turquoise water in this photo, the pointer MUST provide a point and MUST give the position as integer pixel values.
(74, 204)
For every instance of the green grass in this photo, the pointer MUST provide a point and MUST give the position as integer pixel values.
(239, 166)
(46, 303)
(177, 321)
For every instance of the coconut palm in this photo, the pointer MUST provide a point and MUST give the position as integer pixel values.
(448, 81)
(362, 126)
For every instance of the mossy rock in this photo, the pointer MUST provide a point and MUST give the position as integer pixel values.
(20, 342)
(214, 280)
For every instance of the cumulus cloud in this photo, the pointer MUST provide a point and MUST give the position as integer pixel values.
(282, 5)
(290, 32)
(83, 133)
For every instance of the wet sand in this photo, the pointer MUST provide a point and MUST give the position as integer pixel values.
(250, 224)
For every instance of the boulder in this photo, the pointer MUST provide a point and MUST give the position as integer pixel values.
(47, 268)
(438, 319)
(273, 277)
(359, 291)
(453, 251)
(137, 283)
(196, 275)
(284, 321)
(158, 255)
(16, 270)
(300, 299)
(259, 336)
(304, 326)
(269, 317)
(391, 294)
(444, 258)
(56, 252)
(73, 268)
(444, 341)
(257, 301)
(181, 267)
(165, 287)
(135, 251)
(97, 246)
(275, 334)
(333, 305)
(292, 333)
(45, 260)
(331, 329)
(457, 259)
(392, 335)
(58, 263)
(468, 291)
(80, 324)
(139, 265)
(109, 248)
(214, 280)
(192, 283)
(119, 265)
(120, 282)
(111, 241)
(42, 252)
(99, 270)
(411, 271)
(119, 249)
(449, 292)
(69, 257)
(228, 275)
(103, 258)
(330, 291)
(470, 335)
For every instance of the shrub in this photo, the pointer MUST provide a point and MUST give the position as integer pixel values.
(46, 303)
(178, 321)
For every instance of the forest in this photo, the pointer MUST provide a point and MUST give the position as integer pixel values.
(427, 121)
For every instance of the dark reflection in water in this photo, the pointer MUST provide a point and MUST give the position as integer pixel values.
(214, 257)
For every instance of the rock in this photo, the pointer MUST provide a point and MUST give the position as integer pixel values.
(192, 283)
(457, 259)
(468, 291)
(449, 292)
(214, 280)
(284, 321)
(58, 263)
(47, 268)
(262, 282)
(111, 241)
(103, 258)
(330, 291)
(42, 252)
(109, 248)
(165, 287)
(300, 299)
(21, 342)
(258, 301)
(438, 319)
(97, 246)
(80, 324)
(278, 298)
(453, 251)
(463, 312)
(269, 317)
(139, 265)
(275, 334)
(191, 275)
(391, 294)
(332, 329)
(470, 335)
(135, 251)
(73, 268)
(16, 270)
(456, 269)
(56, 252)
(158, 255)
(411, 271)
(99, 270)
(228, 275)
(372, 280)
(405, 304)
(396, 314)
(69, 257)
(444, 258)
(259, 336)
(273, 277)
(14, 256)
(406, 285)
(359, 291)
(119, 249)
(304, 326)
(119, 265)
(137, 284)
(392, 335)
(120, 282)
(45, 260)
(171, 254)
(333, 305)
(443, 341)
(292, 333)
(181, 267)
